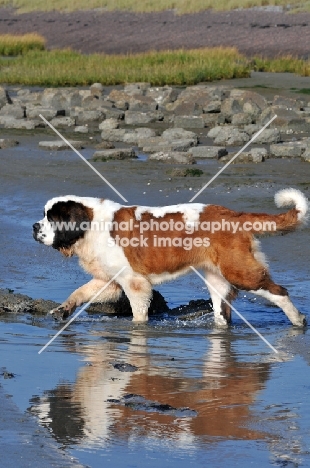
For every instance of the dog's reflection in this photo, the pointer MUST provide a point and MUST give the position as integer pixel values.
(221, 393)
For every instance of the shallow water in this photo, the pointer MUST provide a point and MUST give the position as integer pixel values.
(202, 396)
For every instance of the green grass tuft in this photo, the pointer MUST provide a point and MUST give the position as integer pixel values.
(11, 45)
(69, 68)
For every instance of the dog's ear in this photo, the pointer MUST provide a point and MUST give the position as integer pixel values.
(71, 220)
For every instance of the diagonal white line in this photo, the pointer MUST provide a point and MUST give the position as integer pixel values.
(232, 159)
(235, 310)
(82, 157)
(83, 308)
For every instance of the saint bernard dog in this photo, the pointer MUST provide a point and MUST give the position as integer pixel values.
(131, 248)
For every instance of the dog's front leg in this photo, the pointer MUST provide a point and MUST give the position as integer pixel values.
(139, 292)
(85, 294)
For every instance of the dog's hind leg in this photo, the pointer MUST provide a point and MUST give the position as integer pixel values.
(219, 289)
(279, 296)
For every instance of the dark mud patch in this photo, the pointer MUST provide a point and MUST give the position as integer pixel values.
(139, 403)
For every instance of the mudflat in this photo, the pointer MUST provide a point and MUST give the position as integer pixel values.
(267, 32)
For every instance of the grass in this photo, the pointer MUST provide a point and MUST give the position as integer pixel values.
(69, 68)
(30, 64)
(11, 45)
(180, 6)
(285, 64)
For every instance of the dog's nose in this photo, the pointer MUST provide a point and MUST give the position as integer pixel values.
(36, 227)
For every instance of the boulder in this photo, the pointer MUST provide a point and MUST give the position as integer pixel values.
(172, 157)
(231, 136)
(109, 124)
(208, 152)
(306, 155)
(172, 134)
(189, 121)
(116, 153)
(142, 118)
(138, 134)
(81, 129)
(96, 89)
(15, 110)
(7, 143)
(269, 135)
(60, 145)
(241, 119)
(285, 150)
(4, 97)
(21, 124)
(33, 112)
(115, 134)
(63, 122)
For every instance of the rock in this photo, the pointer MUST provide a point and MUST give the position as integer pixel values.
(96, 89)
(259, 154)
(53, 97)
(269, 135)
(115, 134)
(230, 107)
(245, 157)
(162, 95)
(206, 152)
(306, 155)
(60, 145)
(7, 143)
(214, 132)
(108, 124)
(81, 129)
(104, 145)
(142, 118)
(85, 116)
(124, 367)
(241, 119)
(142, 104)
(185, 172)
(172, 134)
(117, 153)
(122, 306)
(113, 113)
(15, 111)
(137, 88)
(4, 97)
(212, 107)
(252, 129)
(212, 119)
(20, 303)
(138, 134)
(33, 112)
(172, 157)
(287, 103)
(63, 122)
(21, 124)
(154, 145)
(286, 151)
(192, 121)
(231, 136)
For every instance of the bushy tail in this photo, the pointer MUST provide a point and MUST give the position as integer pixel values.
(293, 197)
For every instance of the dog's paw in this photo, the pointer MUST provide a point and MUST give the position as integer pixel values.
(220, 321)
(301, 322)
(60, 313)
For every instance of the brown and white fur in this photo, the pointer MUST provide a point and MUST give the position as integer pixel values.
(230, 260)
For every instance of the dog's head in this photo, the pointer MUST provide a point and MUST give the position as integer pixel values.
(66, 220)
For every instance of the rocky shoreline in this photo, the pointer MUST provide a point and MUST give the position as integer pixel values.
(167, 124)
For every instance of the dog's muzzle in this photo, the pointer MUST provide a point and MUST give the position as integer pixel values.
(36, 230)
